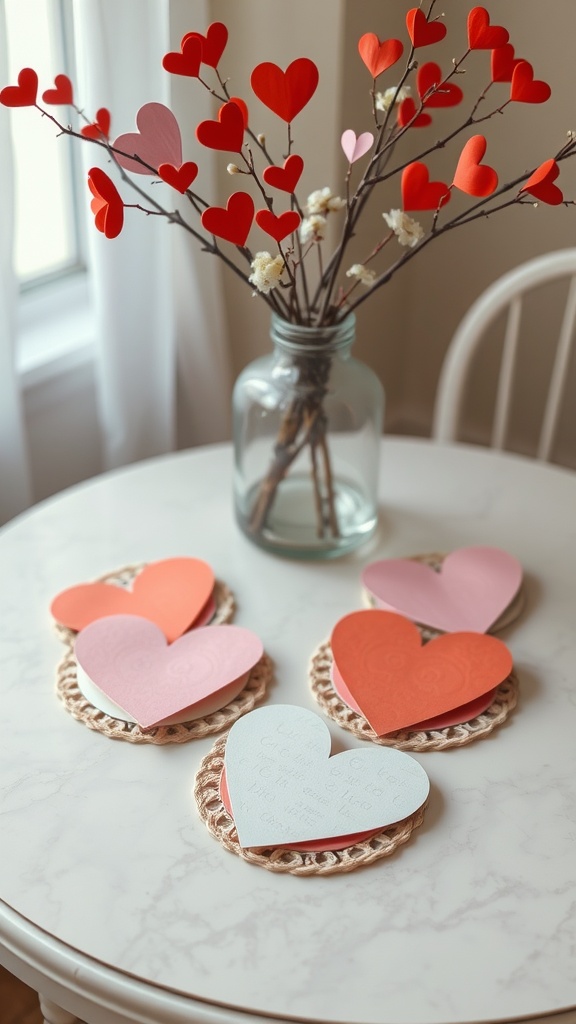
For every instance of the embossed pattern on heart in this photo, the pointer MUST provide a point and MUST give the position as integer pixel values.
(157, 141)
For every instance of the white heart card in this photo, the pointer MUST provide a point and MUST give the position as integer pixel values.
(285, 788)
(129, 659)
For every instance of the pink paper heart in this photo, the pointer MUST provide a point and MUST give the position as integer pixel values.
(157, 141)
(474, 586)
(356, 147)
(128, 659)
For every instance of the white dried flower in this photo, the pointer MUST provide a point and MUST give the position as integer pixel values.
(408, 231)
(233, 169)
(361, 273)
(384, 100)
(312, 228)
(323, 201)
(266, 271)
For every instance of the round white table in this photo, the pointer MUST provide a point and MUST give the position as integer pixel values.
(118, 905)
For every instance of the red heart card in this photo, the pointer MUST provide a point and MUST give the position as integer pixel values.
(473, 177)
(397, 682)
(179, 178)
(171, 593)
(128, 658)
(157, 141)
(418, 192)
(540, 184)
(406, 112)
(21, 95)
(481, 34)
(278, 227)
(287, 177)
(421, 31)
(234, 223)
(525, 88)
(212, 45)
(502, 63)
(379, 56)
(286, 93)
(62, 92)
(434, 90)
(188, 61)
(227, 132)
(240, 103)
(100, 128)
(107, 205)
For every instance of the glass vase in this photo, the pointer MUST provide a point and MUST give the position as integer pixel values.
(307, 427)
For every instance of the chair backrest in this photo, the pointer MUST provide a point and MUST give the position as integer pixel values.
(507, 293)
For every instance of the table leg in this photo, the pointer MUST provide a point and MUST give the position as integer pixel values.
(54, 1014)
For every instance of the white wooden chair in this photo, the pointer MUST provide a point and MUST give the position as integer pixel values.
(507, 293)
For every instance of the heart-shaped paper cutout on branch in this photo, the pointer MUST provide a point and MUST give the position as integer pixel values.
(421, 31)
(212, 45)
(107, 205)
(355, 147)
(233, 223)
(179, 178)
(406, 115)
(540, 184)
(157, 141)
(481, 34)
(100, 127)
(473, 177)
(130, 661)
(397, 682)
(303, 794)
(287, 177)
(171, 593)
(379, 56)
(24, 94)
(502, 63)
(278, 227)
(418, 192)
(525, 88)
(243, 107)
(62, 93)
(433, 90)
(188, 61)
(227, 133)
(286, 93)
(470, 592)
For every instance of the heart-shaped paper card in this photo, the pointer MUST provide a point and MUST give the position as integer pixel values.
(174, 593)
(285, 788)
(398, 682)
(470, 592)
(129, 660)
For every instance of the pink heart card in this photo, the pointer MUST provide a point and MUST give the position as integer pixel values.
(175, 593)
(157, 141)
(285, 788)
(129, 660)
(398, 682)
(470, 592)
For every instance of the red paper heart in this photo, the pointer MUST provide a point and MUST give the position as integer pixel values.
(107, 205)
(179, 178)
(418, 192)
(396, 681)
(234, 223)
(285, 92)
(278, 227)
(172, 593)
(23, 94)
(471, 176)
(286, 177)
(525, 88)
(503, 62)
(100, 127)
(421, 31)
(540, 184)
(62, 93)
(406, 112)
(481, 34)
(227, 132)
(442, 94)
(379, 56)
(188, 61)
(212, 45)
(240, 103)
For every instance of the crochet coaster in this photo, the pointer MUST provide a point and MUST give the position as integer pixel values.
(220, 824)
(320, 678)
(83, 711)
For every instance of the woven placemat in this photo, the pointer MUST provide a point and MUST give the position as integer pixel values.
(320, 678)
(83, 711)
(221, 826)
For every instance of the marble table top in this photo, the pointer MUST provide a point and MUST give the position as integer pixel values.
(101, 845)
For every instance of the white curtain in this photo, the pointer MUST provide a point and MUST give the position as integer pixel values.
(15, 488)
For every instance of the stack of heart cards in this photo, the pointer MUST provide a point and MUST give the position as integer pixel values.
(271, 792)
(152, 656)
(418, 669)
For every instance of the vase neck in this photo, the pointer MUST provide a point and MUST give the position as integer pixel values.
(294, 339)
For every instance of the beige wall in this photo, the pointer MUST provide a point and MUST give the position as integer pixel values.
(404, 330)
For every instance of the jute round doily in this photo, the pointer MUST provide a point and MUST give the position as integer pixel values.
(83, 711)
(505, 700)
(221, 826)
